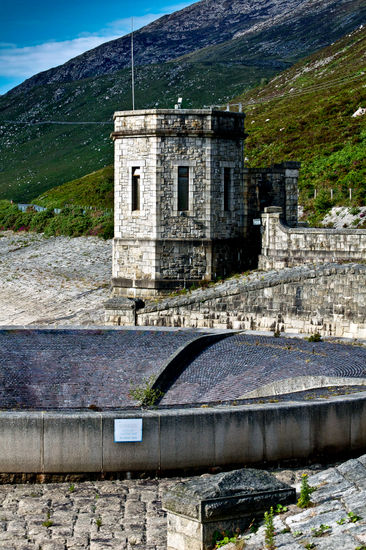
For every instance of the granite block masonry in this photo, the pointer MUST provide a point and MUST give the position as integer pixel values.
(224, 502)
(178, 198)
(284, 246)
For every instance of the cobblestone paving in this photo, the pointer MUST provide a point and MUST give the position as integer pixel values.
(74, 368)
(102, 515)
(242, 363)
(337, 521)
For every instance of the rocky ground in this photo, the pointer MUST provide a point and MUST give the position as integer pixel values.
(341, 217)
(54, 281)
(335, 519)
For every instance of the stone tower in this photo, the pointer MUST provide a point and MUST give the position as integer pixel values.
(178, 198)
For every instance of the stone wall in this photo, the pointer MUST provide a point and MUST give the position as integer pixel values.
(284, 246)
(329, 299)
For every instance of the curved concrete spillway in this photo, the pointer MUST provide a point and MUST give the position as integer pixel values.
(75, 369)
(230, 368)
(60, 370)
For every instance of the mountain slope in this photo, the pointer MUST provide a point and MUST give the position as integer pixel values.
(212, 22)
(306, 114)
(228, 47)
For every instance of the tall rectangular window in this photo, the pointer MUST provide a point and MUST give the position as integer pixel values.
(227, 188)
(136, 188)
(183, 188)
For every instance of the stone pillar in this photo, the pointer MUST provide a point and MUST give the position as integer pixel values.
(198, 509)
(122, 311)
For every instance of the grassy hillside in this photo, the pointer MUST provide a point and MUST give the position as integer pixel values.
(95, 190)
(306, 114)
(303, 114)
(35, 158)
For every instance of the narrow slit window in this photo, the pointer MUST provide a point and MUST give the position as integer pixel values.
(183, 188)
(227, 188)
(136, 188)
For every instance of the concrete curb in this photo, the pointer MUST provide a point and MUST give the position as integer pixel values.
(301, 383)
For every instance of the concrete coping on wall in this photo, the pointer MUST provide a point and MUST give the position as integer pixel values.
(253, 282)
(302, 383)
(276, 212)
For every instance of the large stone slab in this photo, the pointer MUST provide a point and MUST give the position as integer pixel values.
(223, 502)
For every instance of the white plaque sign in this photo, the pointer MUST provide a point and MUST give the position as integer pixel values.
(257, 221)
(127, 430)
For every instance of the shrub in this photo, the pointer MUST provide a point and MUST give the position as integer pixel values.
(40, 220)
(269, 532)
(144, 393)
(305, 492)
(316, 337)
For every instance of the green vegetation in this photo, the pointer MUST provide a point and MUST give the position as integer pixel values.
(353, 518)
(316, 337)
(224, 540)
(72, 221)
(269, 532)
(35, 158)
(48, 523)
(321, 530)
(144, 393)
(305, 493)
(95, 189)
(99, 522)
(305, 114)
(280, 509)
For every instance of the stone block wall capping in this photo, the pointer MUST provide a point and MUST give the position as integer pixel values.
(124, 309)
(252, 283)
(222, 502)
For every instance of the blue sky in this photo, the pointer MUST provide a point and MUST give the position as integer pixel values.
(37, 35)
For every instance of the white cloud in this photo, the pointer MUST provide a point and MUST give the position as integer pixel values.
(27, 61)
(23, 62)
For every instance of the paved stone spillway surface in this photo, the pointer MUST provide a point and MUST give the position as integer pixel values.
(79, 368)
(241, 363)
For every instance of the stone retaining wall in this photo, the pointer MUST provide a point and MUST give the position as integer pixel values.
(284, 246)
(329, 299)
